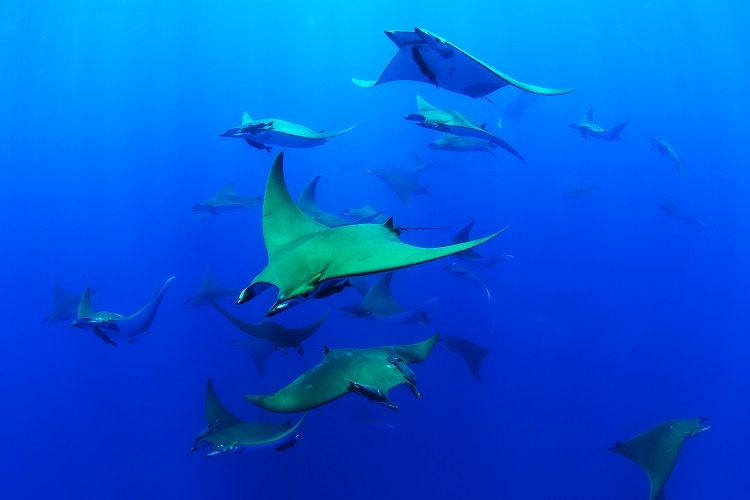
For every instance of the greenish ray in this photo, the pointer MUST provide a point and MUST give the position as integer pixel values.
(656, 450)
(226, 433)
(371, 372)
(303, 253)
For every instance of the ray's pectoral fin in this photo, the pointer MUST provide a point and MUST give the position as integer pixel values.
(144, 317)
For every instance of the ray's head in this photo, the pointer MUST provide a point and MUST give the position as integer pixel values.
(282, 305)
(694, 426)
(284, 300)
(435, 42)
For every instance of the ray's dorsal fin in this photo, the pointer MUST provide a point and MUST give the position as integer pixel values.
(391, 226)
(84, 306)
(216, 415)
(246, 120)
(283, 221)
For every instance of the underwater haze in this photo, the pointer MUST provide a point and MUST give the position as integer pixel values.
(624, 304)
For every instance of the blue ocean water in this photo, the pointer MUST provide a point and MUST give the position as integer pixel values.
(612, 317)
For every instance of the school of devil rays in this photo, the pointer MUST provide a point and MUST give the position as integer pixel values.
(313, 254)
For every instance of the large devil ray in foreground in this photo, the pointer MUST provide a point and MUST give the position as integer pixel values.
(371, 372)
(425, 57)
(303, 253)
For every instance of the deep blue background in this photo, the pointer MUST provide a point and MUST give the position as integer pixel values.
(612, 317)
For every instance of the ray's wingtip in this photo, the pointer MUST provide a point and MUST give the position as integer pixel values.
(256, 399)
(551, 91)
(344, 130)
(498, 232)
(365, 84)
